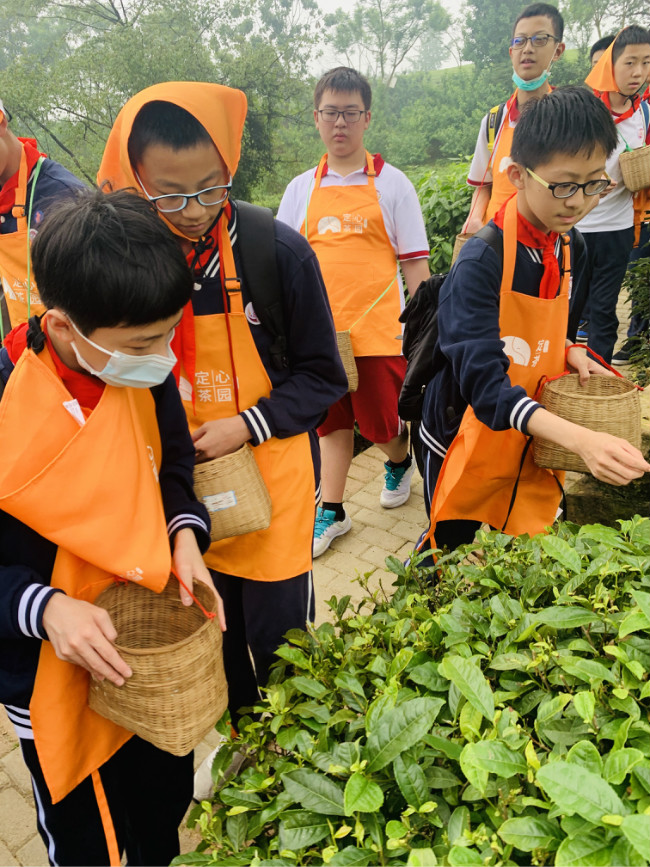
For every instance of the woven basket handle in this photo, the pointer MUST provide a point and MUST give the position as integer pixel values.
(600, 360)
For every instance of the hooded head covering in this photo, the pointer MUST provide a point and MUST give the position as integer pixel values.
(601, 78)
(221, 110)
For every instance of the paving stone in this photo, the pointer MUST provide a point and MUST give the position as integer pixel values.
(351, 487)
(361, 472)
(5, 780)
(33, 853)
(370, 461)
(351, 508)
(384, 519)
(14, 765)
(388, 541)
(7, 859)
(347, 565)
(351, 544)
(363, 498)
(407, 532)
(413, 512)
(323, 573)
(8, 740)
(377, 556)
(17, 819)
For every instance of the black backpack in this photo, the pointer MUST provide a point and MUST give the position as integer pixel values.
(420, 340)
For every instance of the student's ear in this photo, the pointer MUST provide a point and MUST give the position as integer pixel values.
(58, 325)
(4, 123)
(368, 116)
(559, 51)
(517, 175)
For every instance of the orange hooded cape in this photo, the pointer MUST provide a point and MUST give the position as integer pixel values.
(221, 110)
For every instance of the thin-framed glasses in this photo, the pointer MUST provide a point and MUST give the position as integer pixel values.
(172, 202)
(331, 115)
(566, 190)
(539, 40)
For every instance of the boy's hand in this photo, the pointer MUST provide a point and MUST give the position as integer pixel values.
(222, 437)
(83, 633)
(189, 567)
(579, 361)
(611, 459)
(472, 225)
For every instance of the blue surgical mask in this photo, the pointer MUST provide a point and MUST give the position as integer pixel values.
(534, 83)
(135, 371)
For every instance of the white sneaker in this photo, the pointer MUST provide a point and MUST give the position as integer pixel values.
(326, 529)
(203, 782)
(397, 486)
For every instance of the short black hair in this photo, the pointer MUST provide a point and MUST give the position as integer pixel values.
(108, 260)
(343, 79)
(164, 123)
(601, 45)
(569, 120)
(630, 35)
(548, 11)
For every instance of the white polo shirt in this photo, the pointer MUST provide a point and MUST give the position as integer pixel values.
(616, 210)
(398, 201)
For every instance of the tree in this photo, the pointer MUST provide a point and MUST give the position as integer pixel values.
(92, 55)
(488, 31)
(378, 36)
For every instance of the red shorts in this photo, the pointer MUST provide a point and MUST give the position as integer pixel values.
(374, 404)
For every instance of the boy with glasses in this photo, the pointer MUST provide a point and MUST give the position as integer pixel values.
(363, 219)
(535, 46)
(505, 322)
(608, 229)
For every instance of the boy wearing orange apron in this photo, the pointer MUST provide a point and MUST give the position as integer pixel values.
(505, 324)
(29, 182)
(363, 219)
(95, 485)
(535, 45)
(179, 143)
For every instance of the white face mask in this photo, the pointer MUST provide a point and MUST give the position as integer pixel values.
(136, 371)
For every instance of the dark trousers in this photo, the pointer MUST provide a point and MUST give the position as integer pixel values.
(639, 324)
(258, 615)
(148, 792)
(608, 254)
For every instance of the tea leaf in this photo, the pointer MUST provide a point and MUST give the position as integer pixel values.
(562, 617)
(618, 764)
(562, 552)
(578, 790)
(422, 858)
(398, 729)
(459, 856)
(496, 758)
(362, 795)
(411, 780)
(587, 850)
(309, 686)
(236, 828)
(529, 832)
(353, 857)
(637, 831)
(585, 704)
(314, 792)
(469, 679)
(458, 824)
(585, 669)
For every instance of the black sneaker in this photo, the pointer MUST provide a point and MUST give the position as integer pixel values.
(624, 353)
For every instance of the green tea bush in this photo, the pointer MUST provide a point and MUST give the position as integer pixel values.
(637, 283)
(444, 197)
(494, 714)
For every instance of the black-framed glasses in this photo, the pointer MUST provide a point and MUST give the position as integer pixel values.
(566, 190)
(539, 40)
(331, 115)
(172, 202)
(6, 113)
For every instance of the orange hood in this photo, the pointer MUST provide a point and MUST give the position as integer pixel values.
(601, 78)
(221, 110)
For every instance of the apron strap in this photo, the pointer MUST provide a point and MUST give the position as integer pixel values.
(107, 821)
(231, 293)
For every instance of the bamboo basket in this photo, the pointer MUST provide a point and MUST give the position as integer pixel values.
(609, 404)
(458, 245)
(347, 357)
(233, 491)
(178, 690)
(635, 168)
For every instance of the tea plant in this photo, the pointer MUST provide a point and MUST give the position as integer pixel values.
(444, 197)
(494, 713)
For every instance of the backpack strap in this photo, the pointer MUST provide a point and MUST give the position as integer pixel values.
(495, 117)
(493, 238)
(256, 239)
(645, 111)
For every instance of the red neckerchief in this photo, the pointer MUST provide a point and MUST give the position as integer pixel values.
(84, 387)
(617, 118)
(377, 160)
(184, 342)
(8, 190)
(529, 236)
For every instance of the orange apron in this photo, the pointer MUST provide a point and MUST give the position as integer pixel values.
(502, 189)
(225, 350)
(482, 466)
(345, 228)
(109, 522)
(18, 285)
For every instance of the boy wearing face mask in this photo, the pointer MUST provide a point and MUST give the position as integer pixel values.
(96, 482)
(535, 46)
(617, 79)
